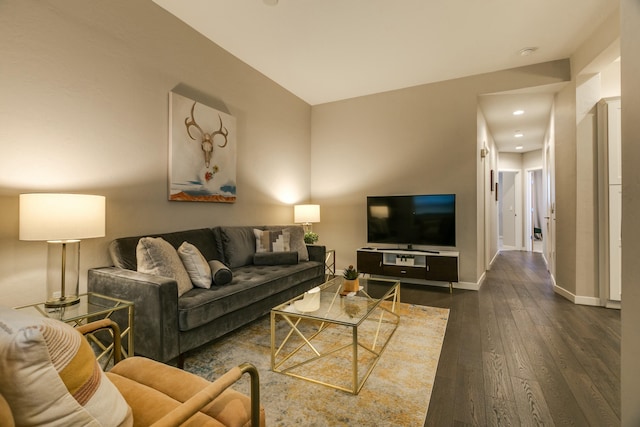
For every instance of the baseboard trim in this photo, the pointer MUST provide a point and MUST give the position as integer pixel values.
(494, 258)
(467, 286)
(616, 305)
(577, 299)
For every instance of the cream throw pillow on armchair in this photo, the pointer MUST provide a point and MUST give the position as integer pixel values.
(49, 375)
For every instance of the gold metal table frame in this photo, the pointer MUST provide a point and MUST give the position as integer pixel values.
(93, 306)
(302, 348)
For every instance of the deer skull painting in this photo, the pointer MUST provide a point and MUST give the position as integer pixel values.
(206, 138)
(202, 152)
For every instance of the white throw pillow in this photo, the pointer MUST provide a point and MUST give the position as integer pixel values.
(196, 265)
(156, 256)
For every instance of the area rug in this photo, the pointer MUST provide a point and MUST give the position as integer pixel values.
(397, 392)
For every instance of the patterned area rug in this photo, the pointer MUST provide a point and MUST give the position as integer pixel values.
(397, 393)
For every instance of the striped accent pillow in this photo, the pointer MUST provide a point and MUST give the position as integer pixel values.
(49, 375)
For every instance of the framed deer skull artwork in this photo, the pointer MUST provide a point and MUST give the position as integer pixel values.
(202, 152)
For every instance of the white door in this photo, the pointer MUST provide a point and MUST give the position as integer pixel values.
(508, 209)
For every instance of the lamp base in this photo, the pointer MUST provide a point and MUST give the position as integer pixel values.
(63, 266)
(66, 302)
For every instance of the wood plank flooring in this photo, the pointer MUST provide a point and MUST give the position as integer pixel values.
(517, 354)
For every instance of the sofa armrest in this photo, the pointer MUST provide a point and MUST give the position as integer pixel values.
(317, 253)
(155, 299)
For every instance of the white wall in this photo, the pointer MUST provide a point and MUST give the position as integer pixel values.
(576, 176)
(84, 109)
(488, 166)
(532, 160)
(416, 140)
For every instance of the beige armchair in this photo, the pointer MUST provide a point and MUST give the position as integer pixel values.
(156, 394)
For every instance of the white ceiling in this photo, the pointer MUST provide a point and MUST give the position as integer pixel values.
(328, 50)
(498, 111)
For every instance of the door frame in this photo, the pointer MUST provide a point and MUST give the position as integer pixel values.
(517, 184)
(530, 194)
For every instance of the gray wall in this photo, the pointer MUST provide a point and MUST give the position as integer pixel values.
(84, 109)
(416, 140)
(630, 69)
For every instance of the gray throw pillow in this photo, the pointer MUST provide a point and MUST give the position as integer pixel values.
(296, 242)
(220, 273)
(156, 256)
(275, 258)
(239, 245)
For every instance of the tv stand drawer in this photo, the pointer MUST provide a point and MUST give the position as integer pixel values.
(404, 271)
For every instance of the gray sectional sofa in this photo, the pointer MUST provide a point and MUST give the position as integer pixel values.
(166, 326)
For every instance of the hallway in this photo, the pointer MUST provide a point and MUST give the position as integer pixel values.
(515, 353)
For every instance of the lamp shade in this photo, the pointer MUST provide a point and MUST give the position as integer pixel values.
(52, 217)
(306, 213)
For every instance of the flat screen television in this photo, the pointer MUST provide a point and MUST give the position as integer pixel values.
(428, 219)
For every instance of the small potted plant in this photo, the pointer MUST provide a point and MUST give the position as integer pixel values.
(310, 237)
(350, 282)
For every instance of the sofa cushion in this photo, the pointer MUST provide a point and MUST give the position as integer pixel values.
(50, 375)
(220, 273)
(250, 283)
(239, 245)
(123, 250)
(195, 264)
(275, 258)
(156, 256)
(272, 240)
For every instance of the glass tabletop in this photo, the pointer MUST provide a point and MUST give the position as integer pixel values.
(348, 309)
(91, 304)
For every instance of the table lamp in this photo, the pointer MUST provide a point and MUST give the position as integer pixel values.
(306, 214)
(62, 220)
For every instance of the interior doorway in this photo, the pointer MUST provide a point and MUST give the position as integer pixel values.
(509, 217)
(534, 220)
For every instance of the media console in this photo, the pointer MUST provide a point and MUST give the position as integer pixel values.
(440, 266)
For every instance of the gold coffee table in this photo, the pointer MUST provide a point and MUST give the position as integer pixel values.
(340, 342)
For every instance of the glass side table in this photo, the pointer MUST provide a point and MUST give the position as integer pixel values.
(93, 306)
(330, 264)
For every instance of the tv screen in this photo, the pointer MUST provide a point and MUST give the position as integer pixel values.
(428, 219)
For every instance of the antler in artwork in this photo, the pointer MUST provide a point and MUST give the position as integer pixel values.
(206, 138)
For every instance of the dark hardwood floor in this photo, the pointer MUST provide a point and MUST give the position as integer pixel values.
(517, 354)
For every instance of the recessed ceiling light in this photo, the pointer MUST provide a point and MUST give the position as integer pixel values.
(518, 112)
(518, 134)
(519, 147)
(527, 51)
